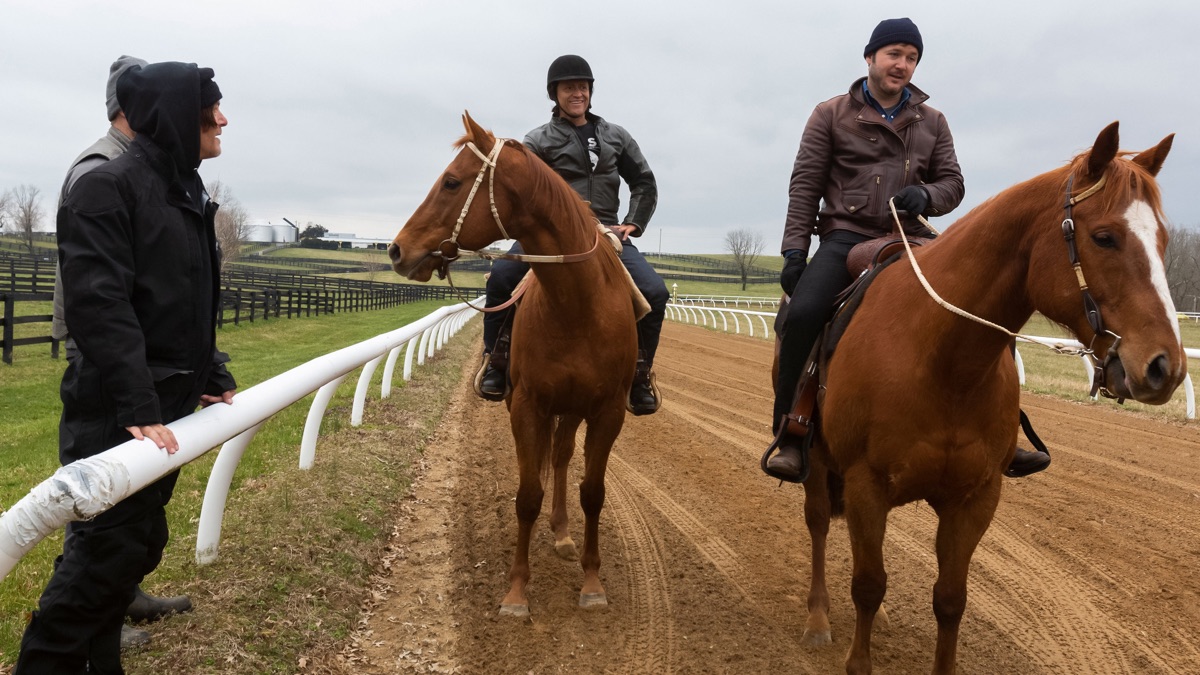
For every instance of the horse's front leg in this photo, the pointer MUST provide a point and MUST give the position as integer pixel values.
(602, 431)
(866, 521)
(960, 527)
(817, 508)
(531, 433)
(564, 448)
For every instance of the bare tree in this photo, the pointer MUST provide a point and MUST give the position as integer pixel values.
(24, 209)
(745, 245)
(233, 222)
(5, 202)
(1183, 267)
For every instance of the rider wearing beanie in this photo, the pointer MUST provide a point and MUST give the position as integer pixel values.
(877, 141)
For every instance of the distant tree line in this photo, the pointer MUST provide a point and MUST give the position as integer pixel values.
(1183, 267)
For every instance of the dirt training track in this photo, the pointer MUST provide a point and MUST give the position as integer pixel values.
(1090, 567)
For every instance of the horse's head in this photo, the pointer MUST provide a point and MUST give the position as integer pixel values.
(450, 219)
(1121, 243)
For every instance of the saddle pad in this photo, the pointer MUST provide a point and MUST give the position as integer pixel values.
(640, 306)
(853, 296)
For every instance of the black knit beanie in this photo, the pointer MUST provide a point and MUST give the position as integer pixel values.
(210, 93)
(892, 31)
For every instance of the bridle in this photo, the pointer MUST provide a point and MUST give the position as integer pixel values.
(448, 250)
(1090, 307)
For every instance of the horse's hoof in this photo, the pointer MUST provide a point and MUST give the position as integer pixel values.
(566, 549)
(818, 638)
(519, 611)
(593, 600)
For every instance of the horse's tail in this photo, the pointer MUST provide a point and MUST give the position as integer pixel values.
(837, 494)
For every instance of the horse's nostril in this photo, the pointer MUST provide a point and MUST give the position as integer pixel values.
(393, 252)
(1156, 372)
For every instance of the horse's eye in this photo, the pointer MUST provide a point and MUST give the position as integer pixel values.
(451, 183)
(1104, 240)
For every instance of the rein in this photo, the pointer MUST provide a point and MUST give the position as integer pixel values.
(1090, 306)
(449, 251)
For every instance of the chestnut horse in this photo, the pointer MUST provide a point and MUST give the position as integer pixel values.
(574, 342)
(922, 403)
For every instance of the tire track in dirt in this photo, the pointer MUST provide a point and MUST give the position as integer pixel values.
(713, 548)
(652, 646)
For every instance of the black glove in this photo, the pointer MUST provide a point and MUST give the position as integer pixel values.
(913, 199)
(792, 269)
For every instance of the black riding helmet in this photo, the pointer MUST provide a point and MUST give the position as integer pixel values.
(568, 67)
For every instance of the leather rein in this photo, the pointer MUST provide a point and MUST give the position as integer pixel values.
(449, 250)
(1090, 306)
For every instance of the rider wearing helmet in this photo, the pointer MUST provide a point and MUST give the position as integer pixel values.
(593, 156)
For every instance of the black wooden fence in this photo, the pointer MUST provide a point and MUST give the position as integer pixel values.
(10, 319)
(247, 294)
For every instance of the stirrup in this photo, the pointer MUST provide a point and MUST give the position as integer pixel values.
(784, 439)
(643, 410)
(478, 383)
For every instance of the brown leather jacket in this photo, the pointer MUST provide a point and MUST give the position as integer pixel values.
(855, 161)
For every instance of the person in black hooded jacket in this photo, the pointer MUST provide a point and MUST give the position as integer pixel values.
(140, 272)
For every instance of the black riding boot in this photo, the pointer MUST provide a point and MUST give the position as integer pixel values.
(644, 398)
(151, 608)
(491, 383)
(1027, 462)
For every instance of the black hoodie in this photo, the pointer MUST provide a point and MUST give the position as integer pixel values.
(162, 101)
(140, 265)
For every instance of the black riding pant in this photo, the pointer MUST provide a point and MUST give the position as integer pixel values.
(506, 274)
(810, 309)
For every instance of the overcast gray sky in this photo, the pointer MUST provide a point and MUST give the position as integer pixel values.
(343, 113)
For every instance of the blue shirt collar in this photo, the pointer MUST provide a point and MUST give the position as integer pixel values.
(889, 114)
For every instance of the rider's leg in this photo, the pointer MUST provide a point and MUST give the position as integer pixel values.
(644, 397)
(1025, 462)
(810, 308)
(504, 277)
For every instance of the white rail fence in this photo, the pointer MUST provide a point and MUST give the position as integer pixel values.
(725, 300)
(722, 318)
(86, 488)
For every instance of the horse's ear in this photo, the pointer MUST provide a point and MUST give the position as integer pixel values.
(1152, 160)
(1103, 151)
(482, 138)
